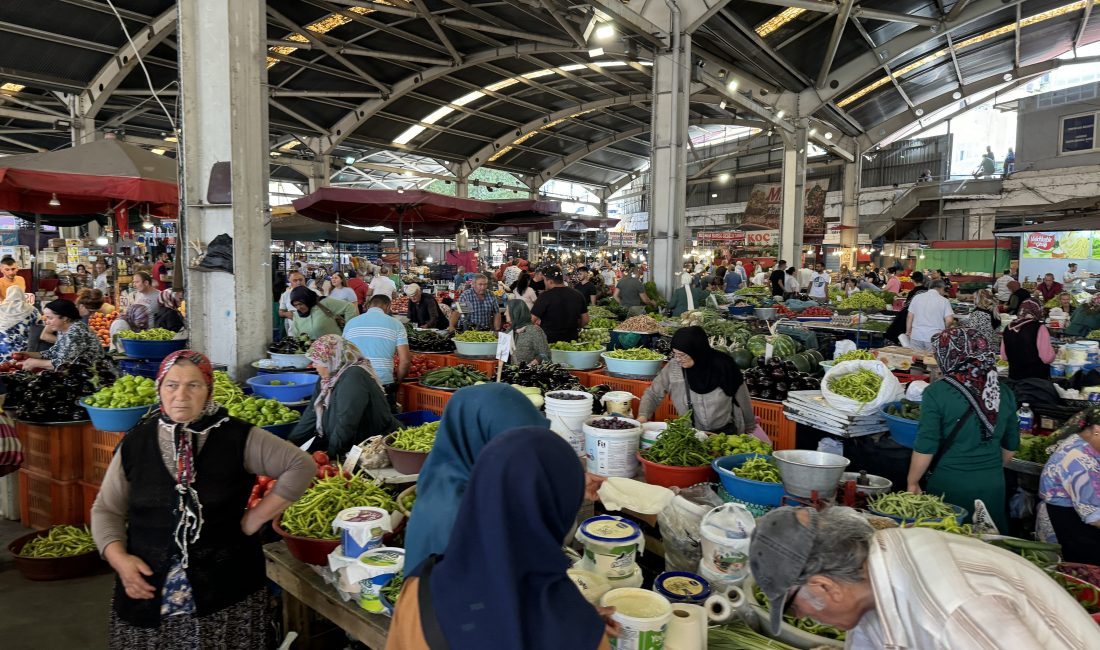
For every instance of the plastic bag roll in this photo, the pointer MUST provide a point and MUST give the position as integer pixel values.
(718, 609)
(687, 630)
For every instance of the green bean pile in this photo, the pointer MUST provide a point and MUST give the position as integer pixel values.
(758, 469)
(856, 355)
(677, 446)
(911, 506)
(861, 385)
(738, 636)
(392, 589)
(61, 541)
(419, 438)
(312, 515)
(805, 624)
(636, 354)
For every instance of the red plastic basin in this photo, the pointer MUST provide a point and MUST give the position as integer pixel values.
(669, 476)
(307, 549)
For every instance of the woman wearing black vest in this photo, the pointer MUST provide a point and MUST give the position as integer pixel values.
(1026, 344)
(171, 520)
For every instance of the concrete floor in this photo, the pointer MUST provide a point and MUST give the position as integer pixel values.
(50, 615)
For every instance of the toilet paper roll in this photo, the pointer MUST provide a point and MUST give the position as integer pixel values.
(687, 630)
(718, 609)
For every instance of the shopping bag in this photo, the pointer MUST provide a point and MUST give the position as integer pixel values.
(889, 391)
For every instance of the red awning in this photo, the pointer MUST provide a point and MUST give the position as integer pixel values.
(87, 179)
(424, 212)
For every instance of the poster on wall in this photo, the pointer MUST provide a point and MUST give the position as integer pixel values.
(765, 204)
(1073, 245)
(1079, 133)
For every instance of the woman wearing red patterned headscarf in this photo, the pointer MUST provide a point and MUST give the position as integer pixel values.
(1026, 344)
(169, 521)
(968, 428)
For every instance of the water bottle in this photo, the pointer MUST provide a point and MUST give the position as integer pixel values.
(1027, 419)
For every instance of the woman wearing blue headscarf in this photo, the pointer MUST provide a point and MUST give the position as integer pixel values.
(473, 416)
(501, 581)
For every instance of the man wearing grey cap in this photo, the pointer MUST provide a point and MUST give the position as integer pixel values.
(911, 588)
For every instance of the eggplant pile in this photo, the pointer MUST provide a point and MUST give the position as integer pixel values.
(427, 341)
(547, 376)
(53, 395)
(292, 345)
(774, 378)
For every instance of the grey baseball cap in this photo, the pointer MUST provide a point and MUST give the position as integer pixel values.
(781, 545)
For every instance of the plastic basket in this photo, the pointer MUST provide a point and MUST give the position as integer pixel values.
(117, 419)
(902, 430)
(588, 378)
(635, 387)
(416, 418)
(88, 492)
(53, 450)
(98, 449)
(153, 350)
(421, 398)
(281, 430)
(45, 502)
(139, 368)
(665, 411)
(301, 388)
(780, 430)
(749, 491)
(487, 367)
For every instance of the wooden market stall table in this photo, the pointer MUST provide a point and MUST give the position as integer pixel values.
(305, 590)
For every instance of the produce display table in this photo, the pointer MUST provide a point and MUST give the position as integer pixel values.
(304, 590)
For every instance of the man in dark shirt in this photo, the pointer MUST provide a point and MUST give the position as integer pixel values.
(423, 310)
(585, 285)
(538, 282)
(560, 310)
(778, 278)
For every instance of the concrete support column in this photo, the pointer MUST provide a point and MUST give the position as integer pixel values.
(222, 48)
(980, 222)
(849, 211)
(534, 241)
(462, 188)
(668, 162)
(792, 213)
(318, 174)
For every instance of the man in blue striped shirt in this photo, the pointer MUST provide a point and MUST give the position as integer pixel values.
(379, 337)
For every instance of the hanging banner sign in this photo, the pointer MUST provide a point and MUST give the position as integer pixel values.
(748, 238)
(621, 238)
(766, 202)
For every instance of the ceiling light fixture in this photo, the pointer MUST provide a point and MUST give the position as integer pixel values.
(605, 32)
(828, 135)
(779, 115)
(723, 177)
(956, 95)
(146, 223)
(53, 201)
(595, 52)
(722, 104)
(732, 85)
(350, 160)
(101, 240)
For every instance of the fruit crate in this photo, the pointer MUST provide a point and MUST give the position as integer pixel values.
(780, 430)
(487, 367)
(45, 502)
(99, 448)
(53, 450)
(636, 387)
(588, 378)
(89, 492)
(665, 411)
(420, 398)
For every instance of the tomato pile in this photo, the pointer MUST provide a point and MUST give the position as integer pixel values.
(785, 311)
(265, 484)
(101, 325)
(9, 366)
(421, 364)
(400, 305)
(817, 311)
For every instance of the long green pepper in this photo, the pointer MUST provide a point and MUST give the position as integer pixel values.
(60, 541)
(312, 515)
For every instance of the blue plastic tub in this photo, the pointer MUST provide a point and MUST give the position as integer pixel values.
(416, 418)
(742, 311)
(281, 430)
(139, 368)
(902, 430)
(120, 420)
(152, 350)
(302, 388)
(626, 340)
(757, 492)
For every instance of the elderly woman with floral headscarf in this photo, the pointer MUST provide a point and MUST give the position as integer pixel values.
(968, 428)
(171, 519)
(168, 316)
(1086, 318)
(1026, 344)
(135, 318)
(1070, 487)
(16, 318)
(348, 404)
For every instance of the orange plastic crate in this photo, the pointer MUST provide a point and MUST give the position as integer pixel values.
(780, 430)
(665, 411)
(634, 386)
(89, 492)
(99, 447)
(419, 398)
(588, 378)
(45, 502)
(53, 450)
(487, 367)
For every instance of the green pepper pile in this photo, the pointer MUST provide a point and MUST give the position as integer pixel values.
(226, 392)
(602, 323)
(576, 346)
(60, 541)
(408, 501)
(155, 334)
(911, 506)
(862, 300)
(452, 377)
(856, 355)
(677, 446)
(805, 624)
(737, 443)
(419, 438)
(312, 515)
(597, 335)
(596, 311)
(474, 336)
(263, 412)
(758, 469)
(905, 409)
(861, 385)
(636, 354)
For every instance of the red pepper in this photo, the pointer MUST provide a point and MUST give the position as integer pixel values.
(320, 457)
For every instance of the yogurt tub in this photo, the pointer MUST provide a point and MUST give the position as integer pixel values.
(373, 570)
(650, 432)
(610, 545)
(682, 587)
(642, 616)
(361, 529)
(1058, 369)
(591, 584)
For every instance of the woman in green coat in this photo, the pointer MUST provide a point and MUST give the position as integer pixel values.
(970, 402)
(1085, 319)
(315, 316)
(348, 404)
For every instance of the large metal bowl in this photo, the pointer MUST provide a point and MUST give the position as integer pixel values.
(765, 313)
(809, 474)
(879, 485)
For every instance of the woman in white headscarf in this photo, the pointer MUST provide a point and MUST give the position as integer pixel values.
(16, 317)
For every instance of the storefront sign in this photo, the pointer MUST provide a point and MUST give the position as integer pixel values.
(1073, 245)
(615, 238)
(748, 238)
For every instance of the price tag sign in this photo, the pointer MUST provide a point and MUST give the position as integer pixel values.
(504, 346)
(352, 460)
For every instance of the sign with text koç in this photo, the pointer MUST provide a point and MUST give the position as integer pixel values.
(748, 238)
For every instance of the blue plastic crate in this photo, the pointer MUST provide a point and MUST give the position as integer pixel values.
(139, 368)
(416, 418)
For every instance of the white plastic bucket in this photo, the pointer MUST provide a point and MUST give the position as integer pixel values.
(569, 406)
(617, 402)
(612, 452)
(567, 417)
(643, 618)
(633, 580)
(650, 432)
(1076, 353)
(725, 533)
(611, 545)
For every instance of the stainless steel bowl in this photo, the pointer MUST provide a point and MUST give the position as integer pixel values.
(765, 313)
(879, 485)
(806, 473)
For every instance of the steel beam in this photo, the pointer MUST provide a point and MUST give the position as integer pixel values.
(1084, 23)
(843, 10)
(828, 7)
(318, 41)
(124, 61)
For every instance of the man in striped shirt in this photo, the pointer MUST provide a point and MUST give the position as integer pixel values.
(379, 337)
(910, 588)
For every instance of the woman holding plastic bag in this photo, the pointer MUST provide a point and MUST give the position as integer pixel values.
(968, 428)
